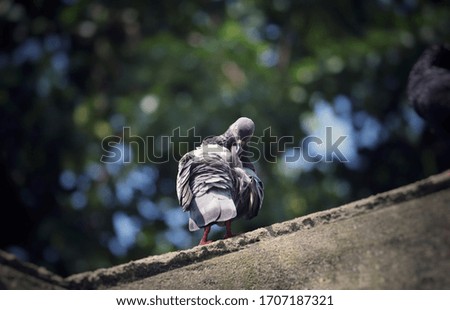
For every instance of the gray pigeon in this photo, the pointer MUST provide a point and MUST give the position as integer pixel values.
(216, 183)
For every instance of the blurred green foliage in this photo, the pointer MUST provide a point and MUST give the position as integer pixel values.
(73, 73)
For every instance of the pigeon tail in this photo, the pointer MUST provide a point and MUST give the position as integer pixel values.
(216, 206)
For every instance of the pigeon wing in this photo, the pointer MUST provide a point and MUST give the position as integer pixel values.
(249, 192)
(184, 191)
(204, 186)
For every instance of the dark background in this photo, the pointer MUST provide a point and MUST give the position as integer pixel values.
(73, 73)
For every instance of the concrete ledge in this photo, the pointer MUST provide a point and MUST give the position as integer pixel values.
(398, 239)
(395, 240)
(15, 274)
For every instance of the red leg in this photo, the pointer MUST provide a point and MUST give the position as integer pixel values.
(205, 236)
(228, 234)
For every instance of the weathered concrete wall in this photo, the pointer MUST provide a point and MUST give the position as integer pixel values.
(406, 246)
(396, 240)
(15, 274)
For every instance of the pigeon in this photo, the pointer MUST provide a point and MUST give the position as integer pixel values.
(217, 183)
(429, 87)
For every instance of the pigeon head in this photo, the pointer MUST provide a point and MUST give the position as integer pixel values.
(238, 134)
(242, 130)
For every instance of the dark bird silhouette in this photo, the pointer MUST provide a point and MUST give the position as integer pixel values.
(429, 87)
(216, 183)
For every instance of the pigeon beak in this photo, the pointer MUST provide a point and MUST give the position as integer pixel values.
(238, 146)
(235, 155)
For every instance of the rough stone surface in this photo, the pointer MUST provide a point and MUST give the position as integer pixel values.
(15, 274)
(406, 246)
(395, 240)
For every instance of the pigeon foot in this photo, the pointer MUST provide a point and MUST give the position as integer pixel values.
(204, 239)
(204, 242)
(226, 236)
